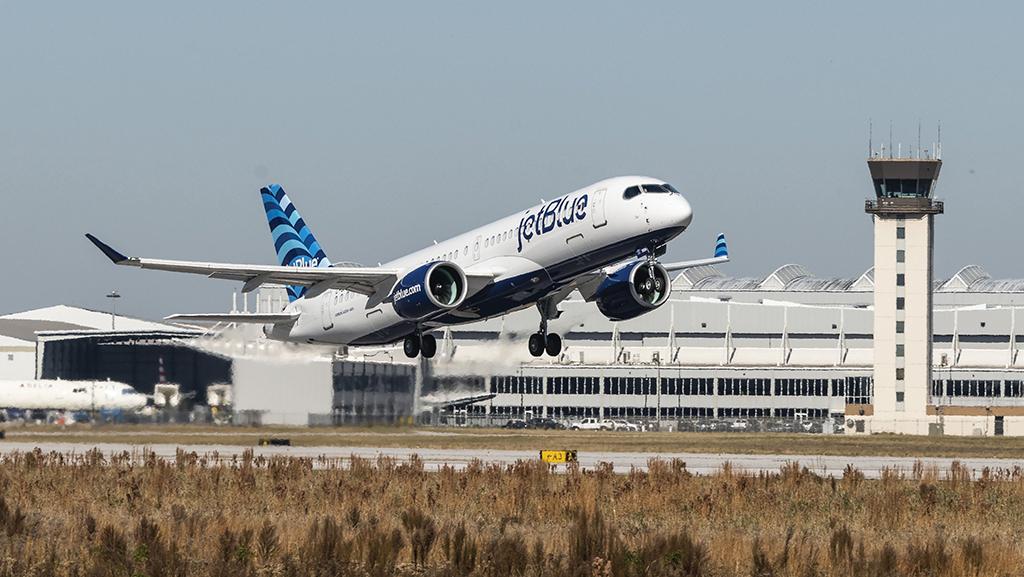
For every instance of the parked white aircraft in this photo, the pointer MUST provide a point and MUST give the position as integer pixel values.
(603, 240)
(58, 395)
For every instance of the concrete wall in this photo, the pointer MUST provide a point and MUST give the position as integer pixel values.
(17, 359)
(904, 398)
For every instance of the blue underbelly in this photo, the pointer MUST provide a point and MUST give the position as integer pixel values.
(525, 289)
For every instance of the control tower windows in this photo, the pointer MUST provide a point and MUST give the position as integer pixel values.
(902, 187)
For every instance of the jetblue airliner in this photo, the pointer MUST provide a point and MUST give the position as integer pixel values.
(603, 240)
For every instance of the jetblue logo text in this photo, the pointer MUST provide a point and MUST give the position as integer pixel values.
(407, 292)
(303, 262)
(560, 212)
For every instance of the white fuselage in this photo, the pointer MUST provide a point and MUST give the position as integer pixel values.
(530, 254)
(59, 395)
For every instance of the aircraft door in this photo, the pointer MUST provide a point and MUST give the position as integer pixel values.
(476, 249)
(597, 213)
(326, 318)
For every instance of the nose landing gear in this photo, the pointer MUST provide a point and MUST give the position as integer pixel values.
(416, 344)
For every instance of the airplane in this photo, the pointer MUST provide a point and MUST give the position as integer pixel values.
(59, 395)
(602, 240)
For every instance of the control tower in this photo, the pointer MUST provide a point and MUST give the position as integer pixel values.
(903, 211)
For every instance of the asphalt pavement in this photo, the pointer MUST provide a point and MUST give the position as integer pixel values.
(622, 462)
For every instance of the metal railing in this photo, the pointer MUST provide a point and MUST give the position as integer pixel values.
(903, 205)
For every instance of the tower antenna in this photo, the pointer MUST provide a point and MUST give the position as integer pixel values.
(919, 138)
(890, 139)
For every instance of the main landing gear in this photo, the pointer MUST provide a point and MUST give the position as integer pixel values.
(417, 344)
(542, 341)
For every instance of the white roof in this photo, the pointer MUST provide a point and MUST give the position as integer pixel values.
(796, 278)
(6, 341)
(96, 320)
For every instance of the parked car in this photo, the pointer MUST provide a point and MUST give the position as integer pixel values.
(592, 425)
(625, 426)
(515, 424)
(739, 425)
(543, 423)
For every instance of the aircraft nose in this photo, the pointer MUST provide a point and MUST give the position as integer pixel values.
(682, 213)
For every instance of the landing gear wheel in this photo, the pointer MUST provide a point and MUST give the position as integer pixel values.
(553, 345)
(428, 346)
(412, 346)
(536, 344)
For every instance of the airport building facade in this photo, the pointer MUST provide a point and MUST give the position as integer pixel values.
(786, 345)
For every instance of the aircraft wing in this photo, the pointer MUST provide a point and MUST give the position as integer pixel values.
(367, 281)
(721, 255)
(683, 265)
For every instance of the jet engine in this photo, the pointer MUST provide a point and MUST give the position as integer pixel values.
(633, 290)
(428, 289)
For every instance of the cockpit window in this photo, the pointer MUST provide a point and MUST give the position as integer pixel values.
(655, 188)
(671, 188)
(631, 192)
(127, 391)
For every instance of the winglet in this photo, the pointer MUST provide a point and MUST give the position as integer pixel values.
(721, 249)
(113, 255)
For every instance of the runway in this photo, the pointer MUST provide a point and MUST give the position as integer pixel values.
(623, 462)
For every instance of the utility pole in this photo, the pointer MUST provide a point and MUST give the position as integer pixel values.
(113, 296)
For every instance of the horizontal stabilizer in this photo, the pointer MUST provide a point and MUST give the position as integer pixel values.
(258, 318)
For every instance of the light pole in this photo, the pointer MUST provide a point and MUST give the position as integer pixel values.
(113, 296)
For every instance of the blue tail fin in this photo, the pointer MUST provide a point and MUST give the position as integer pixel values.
(294, 242)
(721, 249)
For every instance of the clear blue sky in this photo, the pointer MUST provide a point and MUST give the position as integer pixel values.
(153, 125)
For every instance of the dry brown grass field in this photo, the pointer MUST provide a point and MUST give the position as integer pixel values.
(433, 438)
(90, 515)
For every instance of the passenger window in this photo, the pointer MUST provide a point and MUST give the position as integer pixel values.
(631, 192)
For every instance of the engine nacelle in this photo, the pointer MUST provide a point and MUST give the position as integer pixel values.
(430, 288)
(633, 290)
